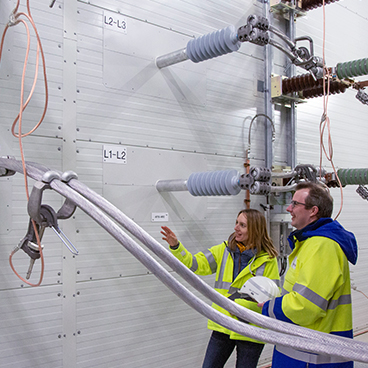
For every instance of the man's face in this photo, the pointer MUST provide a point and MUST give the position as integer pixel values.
(300, 216)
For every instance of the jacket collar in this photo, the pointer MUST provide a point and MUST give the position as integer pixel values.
(328, 228)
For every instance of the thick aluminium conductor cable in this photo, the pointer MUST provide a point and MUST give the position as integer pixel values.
(337, 342)
(198, 283)
(149, 262)
(194, 280)
(164, 276)
(176, 287)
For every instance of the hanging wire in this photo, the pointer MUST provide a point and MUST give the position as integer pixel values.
(14, 19)
(325, 120)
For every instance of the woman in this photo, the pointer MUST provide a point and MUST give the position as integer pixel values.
(248, 252)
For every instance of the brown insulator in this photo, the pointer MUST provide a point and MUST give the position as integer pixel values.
(313, 4)
(335, 87)
(313, 92)
(299, 83)
(286, 85)
(310, 87)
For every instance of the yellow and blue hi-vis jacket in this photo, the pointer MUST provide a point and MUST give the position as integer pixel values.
(316, 292)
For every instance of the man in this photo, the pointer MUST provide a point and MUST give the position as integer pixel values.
(316, 291)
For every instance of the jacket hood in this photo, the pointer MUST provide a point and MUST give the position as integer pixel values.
(329, 229)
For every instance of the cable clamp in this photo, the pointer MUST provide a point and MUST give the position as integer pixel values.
(44, 215)
(68, 175)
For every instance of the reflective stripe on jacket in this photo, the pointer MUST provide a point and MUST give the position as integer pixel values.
(219, 259)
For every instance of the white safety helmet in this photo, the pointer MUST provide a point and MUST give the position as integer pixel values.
(260, 289)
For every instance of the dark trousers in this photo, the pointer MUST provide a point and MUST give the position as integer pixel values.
(221, 346)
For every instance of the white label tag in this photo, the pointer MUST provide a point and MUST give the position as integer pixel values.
(159, 217)
(115, 22)
(115, 154)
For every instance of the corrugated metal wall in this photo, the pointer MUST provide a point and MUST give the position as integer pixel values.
(103, 308)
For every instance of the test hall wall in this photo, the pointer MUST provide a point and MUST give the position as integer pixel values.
(103, 308)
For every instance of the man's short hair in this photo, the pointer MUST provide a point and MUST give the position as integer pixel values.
(318, 196)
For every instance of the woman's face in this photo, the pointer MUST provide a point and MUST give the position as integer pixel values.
(241, 229)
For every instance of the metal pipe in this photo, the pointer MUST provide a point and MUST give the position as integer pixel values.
(291, 56)
(283, 189)
(171, 58)
(281, 175)
(171, 185)
(268, 100)
(287, 40)
(291, 114)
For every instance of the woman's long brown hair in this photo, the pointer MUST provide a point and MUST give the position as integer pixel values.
(257, 233)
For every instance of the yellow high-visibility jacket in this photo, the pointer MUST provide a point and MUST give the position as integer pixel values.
(219, 259)
(316, 292)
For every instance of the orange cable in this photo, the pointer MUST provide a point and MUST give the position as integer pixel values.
(20, 116)
(39, 50)
(325, 121)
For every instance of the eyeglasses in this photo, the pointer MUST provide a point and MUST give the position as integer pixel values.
(294, 203)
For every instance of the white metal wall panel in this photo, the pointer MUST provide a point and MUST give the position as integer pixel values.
(165, 127)
(31, 331)
(142, 119)
(143, 324)
(103, 308)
